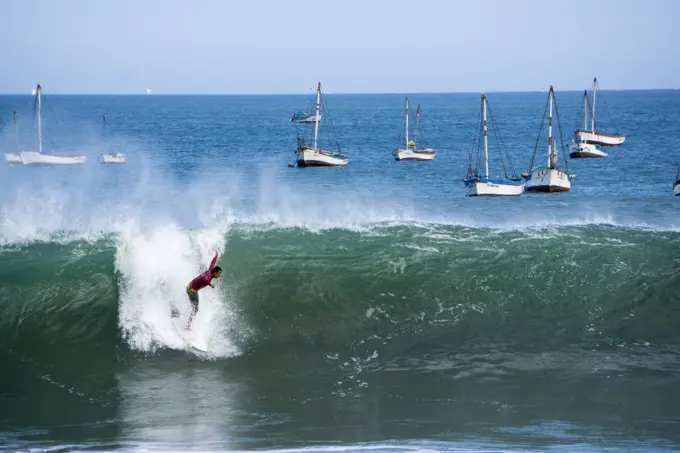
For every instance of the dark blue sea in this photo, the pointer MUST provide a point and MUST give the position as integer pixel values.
(372, 307)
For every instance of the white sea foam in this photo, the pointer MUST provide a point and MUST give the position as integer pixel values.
(156, 268)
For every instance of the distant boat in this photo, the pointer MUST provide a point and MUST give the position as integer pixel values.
(592, 136)
(408, 150)
(148, 91)
(676, 184)
(485, 185)
(549, 178)
(583, 149)
(111, 158)
(305, 117)
(13, 158)
(313, 156)
(41, 158)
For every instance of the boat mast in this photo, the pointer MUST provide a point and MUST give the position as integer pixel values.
(316, 119)
(39, 122)
(406, 126)
(486, 145)
(550, 140)
(585, 110)
(592, 129)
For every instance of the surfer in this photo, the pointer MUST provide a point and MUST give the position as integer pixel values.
(199, 283)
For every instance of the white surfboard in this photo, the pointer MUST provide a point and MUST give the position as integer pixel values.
(192, 338)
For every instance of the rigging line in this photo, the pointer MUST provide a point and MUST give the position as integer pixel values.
(331, 128)
(499, 142)
(609, 115)
(474, 143)
(559, 126)
(533, 156)
(479, 143)
(500, 150)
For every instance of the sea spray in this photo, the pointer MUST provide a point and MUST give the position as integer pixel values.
(155, 269)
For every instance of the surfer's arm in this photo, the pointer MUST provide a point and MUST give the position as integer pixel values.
(212, 263)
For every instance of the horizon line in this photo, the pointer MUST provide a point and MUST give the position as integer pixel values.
(335, 93)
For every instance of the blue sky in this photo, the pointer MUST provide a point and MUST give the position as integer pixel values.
(285, 46)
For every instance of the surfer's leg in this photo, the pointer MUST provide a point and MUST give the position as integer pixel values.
(193, 298)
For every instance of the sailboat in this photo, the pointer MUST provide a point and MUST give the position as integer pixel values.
(13, 158)
(304, 117)
(111, 158)
(550, 178)
(578, 147)
(40, 158)
(313, 156)
(591, 136)
(485, 185)
(676, 184)
(410, 150)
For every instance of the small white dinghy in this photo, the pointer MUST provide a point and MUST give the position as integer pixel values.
(111, 158)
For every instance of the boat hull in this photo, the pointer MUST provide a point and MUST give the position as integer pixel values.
(585, 150)
(548, 180)
(676, 188)
(600, 139)
(494, 187)
(308, 157)
(13, 159)
(35, 158)
(112, 158)
(413, 154)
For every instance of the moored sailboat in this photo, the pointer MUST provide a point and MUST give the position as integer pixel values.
(39, 157)
(313, 156)
(550, 178)
(408, 150)
(484, 184)
(583, 149)
(592, 136)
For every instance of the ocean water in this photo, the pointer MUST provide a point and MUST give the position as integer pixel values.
(372, 307)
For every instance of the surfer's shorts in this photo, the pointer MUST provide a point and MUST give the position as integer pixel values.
(193, 297)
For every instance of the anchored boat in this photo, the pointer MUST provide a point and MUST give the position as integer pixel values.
(314, 156)
(407, 149)
(37, 158)
(549, 178)
(484, 184)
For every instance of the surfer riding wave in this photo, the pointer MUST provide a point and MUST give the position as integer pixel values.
(199, 283)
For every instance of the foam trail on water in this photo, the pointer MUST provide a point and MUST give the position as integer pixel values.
(156, 267)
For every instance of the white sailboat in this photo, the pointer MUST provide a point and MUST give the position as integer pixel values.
(13, 158)
(549, 178)
(409, 150)
(40, 158)
(676, 184)
(485, 185)
(592, 136)
(111, 158)
(583, 149)
(313, 156)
